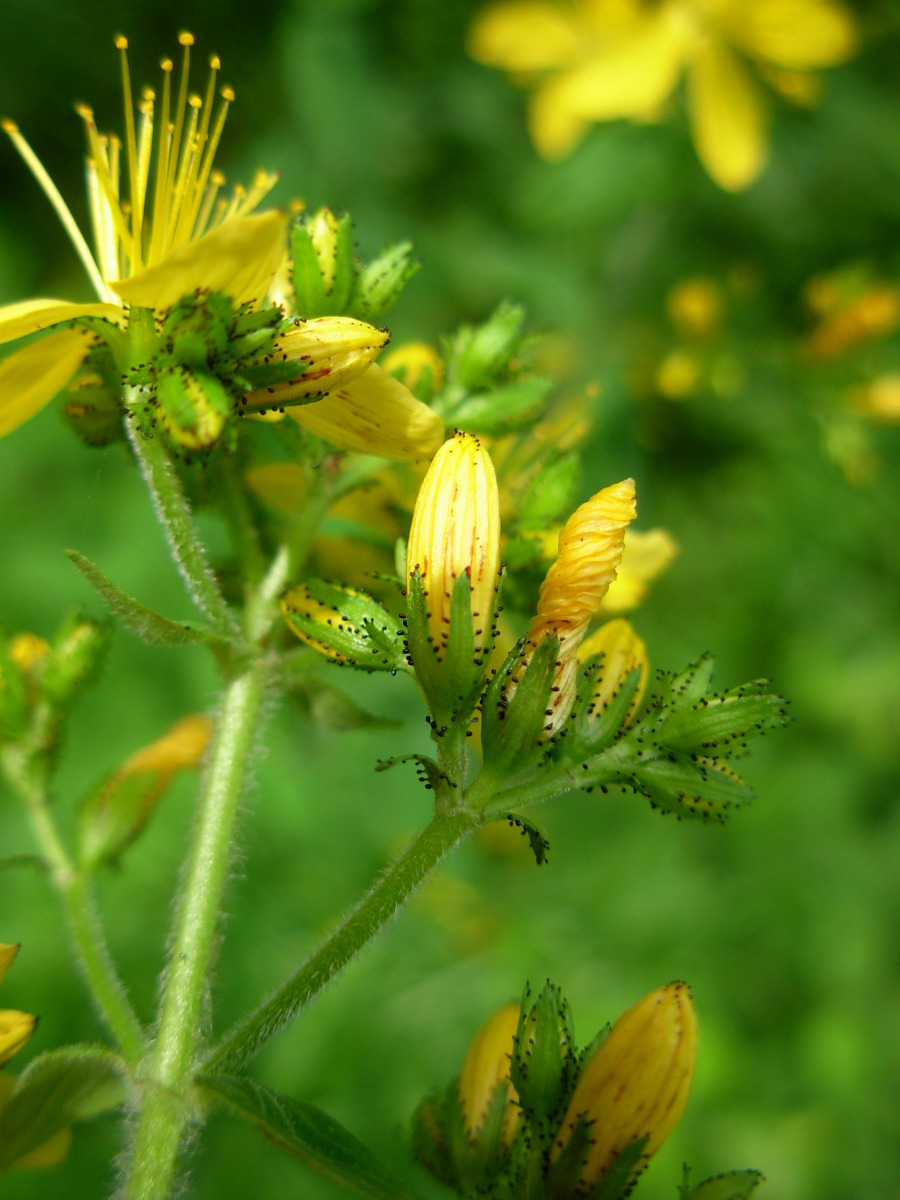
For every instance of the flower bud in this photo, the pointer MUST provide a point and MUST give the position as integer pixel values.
(635, 1085)
(344, 625)
(418, 365)
(314, 357)
(590, 548)
(193, 407)
(382, 280)
(455, 533)
(486, 1068)
(15, 1027)
(323, 266)
(622, 652)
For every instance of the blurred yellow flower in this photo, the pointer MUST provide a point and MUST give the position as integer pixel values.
(879, 399)
(599, 60)
(163, 241)
(645, 556)
(15, 1027)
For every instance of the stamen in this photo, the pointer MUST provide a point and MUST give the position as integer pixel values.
(210, 153)
(50, 190)
(110, 190)
(216, 180)
(134, 189)
(162, 164)
(185, 174)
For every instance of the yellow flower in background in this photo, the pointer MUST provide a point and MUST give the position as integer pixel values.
(645, 556)
(486, 1068)
(455, 532)
(172, 235)
(600, 60)
(590, 550)
(15, 1027)
(637, 1082)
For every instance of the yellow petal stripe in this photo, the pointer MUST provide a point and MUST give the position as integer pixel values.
(637, 1082)
(30, 378)
(374, 414)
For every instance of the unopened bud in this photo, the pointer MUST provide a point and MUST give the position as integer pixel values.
(344, 625)
(636, 1084)
(486, 1069)
(621, 651)
(193, 407)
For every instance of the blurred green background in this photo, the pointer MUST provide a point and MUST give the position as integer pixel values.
(785, 506)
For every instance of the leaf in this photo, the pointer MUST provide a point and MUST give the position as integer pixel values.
(56, 1089)
(301, 1129)
(731, 1185)
(150, 626)
(429, 773)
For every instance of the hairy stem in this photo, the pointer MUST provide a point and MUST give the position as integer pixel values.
(369, 916)
(160, 1128)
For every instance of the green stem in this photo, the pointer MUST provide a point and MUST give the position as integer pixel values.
(174, 515)
(165, 1111)
(93, 955)
(390, 892)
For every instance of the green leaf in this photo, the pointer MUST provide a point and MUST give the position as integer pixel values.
(731, 1185)
(692, 788)
(428, 771)
(319, 1140)
(67, 1085)
(148, 625)
(549, 494)
(504, 408)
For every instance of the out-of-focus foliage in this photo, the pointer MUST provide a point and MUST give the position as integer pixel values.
(742, 410)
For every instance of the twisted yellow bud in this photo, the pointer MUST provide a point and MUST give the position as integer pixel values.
(590, 548)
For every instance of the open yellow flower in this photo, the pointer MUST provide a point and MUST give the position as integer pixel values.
(599, 60)
(165, 234)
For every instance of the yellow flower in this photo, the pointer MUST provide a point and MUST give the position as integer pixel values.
(15, 1027)
(598, 60)
(637, 1082)
(174, 233)
(645, 556)
(590, 549)
(455, 532)
(879, 399)
(486, 1067)
(622, 651)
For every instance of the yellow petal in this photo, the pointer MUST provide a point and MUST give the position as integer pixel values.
(7, 954)
(727, 118)
(555, 130)
(375, 414)
(646, 555)
(239, 258)
(486, 1066)
(15, 1030)
(31, 316)
(524, 36)
(182, 745)
(30, 378)
(631, 76)
(794, 33)
(281, 485)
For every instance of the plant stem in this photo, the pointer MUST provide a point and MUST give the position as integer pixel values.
(388, 894)
(93, 955)
(165, 1112)
(174, 515)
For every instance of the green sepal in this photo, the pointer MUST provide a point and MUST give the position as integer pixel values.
(481, 354)
(150, 626)
(344, 268)
(594, 731)
(74, 659)
(428, 771)
(362, 633)
(196, 328)
(92, 400)
(537, 841)
(511, 726)
(56, 1089)
(381, 281)
(327, 705)
(618, 1178)
(14, 704)
(309, 286)
(505, 408)
(689, 685)
(451, 684)
(714, 723)
(468, 1162)
(730, 1185)
(542, 1064)
(688, 788)
(192, 406)
(563, 1175)
(310, 1134)
(549, 494)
